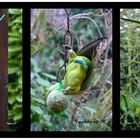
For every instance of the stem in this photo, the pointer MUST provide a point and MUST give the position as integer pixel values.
(131, 20)
(130, 55)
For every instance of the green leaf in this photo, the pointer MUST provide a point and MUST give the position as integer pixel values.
(19, 98)
(18, 116)
(15, 11)
(15, 65)
(11, 99)
(35, 118)
(42, 82)
(52, 77)
(39, 100)
(89, 109)
(14, 49)
(37, 110)
(12, 70)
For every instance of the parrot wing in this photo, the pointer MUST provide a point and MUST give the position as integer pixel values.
(89, 50)
(89, 76)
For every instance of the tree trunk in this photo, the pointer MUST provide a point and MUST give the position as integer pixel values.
(3, 69)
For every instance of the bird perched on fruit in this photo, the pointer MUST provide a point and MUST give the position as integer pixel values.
(79, 69)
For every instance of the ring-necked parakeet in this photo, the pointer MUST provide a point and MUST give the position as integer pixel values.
(77, 78)
(76, 72)
(79, 69)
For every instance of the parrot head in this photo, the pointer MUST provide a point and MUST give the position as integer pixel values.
(71, 54)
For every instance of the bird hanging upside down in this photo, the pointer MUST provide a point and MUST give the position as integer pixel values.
(76, 72)
(79, 69)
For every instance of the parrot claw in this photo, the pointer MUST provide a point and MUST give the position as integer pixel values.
(65, 90)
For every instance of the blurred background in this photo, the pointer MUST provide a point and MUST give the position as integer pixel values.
(130, 69)
(15, 70)
(48, 27)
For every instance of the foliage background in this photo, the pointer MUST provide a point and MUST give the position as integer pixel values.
(130, 70)
(15, 68)
(48, 27)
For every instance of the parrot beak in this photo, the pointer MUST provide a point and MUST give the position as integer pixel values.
(70, 52)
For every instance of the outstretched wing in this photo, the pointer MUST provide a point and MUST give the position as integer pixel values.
(89, 50)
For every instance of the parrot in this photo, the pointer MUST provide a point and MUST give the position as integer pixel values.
(79, 69)
(76, 71)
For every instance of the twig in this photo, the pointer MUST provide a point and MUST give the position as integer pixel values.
(108, 21)
(131, 20)
(89, 14)
(51, 119)
(86, 15)
(84, 96)
(94, 22)
(74, 112)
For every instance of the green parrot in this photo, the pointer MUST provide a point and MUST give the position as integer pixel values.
(79, 69)
(76, 72)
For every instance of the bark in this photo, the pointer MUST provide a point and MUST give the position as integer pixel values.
(3, 69)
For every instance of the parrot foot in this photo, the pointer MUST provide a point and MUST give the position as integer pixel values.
(65, 90)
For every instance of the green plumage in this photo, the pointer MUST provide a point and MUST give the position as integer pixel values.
(76, 72)
(80, 69)
(79, 73)
(56, 87)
